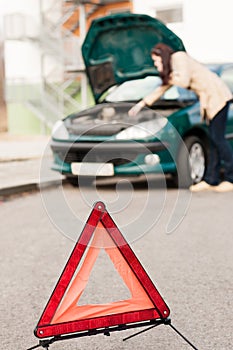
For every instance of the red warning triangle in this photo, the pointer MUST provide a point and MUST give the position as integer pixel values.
(63, 315)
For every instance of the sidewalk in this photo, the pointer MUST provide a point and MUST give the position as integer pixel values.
(22, 164)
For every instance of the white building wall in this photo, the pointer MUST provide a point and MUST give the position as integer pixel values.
(206, 30)
(149, 6)
(22, 61)
(19, 19)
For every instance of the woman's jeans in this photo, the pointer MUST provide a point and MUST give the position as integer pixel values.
(221, 153)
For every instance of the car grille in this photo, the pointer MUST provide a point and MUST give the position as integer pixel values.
(72, 157)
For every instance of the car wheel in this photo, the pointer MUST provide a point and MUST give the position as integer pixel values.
(191, 162)
(79, 181)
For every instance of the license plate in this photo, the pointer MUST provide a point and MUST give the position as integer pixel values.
(92, 169)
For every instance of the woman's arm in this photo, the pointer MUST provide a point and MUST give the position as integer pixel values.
(156, 94)
(148, 100)
(136, 108)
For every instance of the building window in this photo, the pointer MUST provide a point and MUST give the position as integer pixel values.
(118, 10)
(172, 15)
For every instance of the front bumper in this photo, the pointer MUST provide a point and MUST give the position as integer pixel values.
(108, 147)
(127, 157)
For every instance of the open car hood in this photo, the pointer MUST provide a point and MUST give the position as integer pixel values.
(117, 48)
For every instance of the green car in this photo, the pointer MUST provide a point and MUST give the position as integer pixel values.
(103, 141)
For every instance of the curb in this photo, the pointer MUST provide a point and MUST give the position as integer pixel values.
(29, 187)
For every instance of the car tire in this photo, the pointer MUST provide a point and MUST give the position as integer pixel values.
(77, 181)
(191, 162)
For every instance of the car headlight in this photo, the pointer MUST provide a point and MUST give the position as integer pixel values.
(59, 131)
(142, 130)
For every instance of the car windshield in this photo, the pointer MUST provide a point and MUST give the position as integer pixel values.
(134, 90)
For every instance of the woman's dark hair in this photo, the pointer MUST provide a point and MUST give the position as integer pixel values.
(165, 52)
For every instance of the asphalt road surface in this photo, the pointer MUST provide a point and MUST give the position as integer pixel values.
(184, 243)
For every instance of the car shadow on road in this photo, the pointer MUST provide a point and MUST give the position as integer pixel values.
(137, 182)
